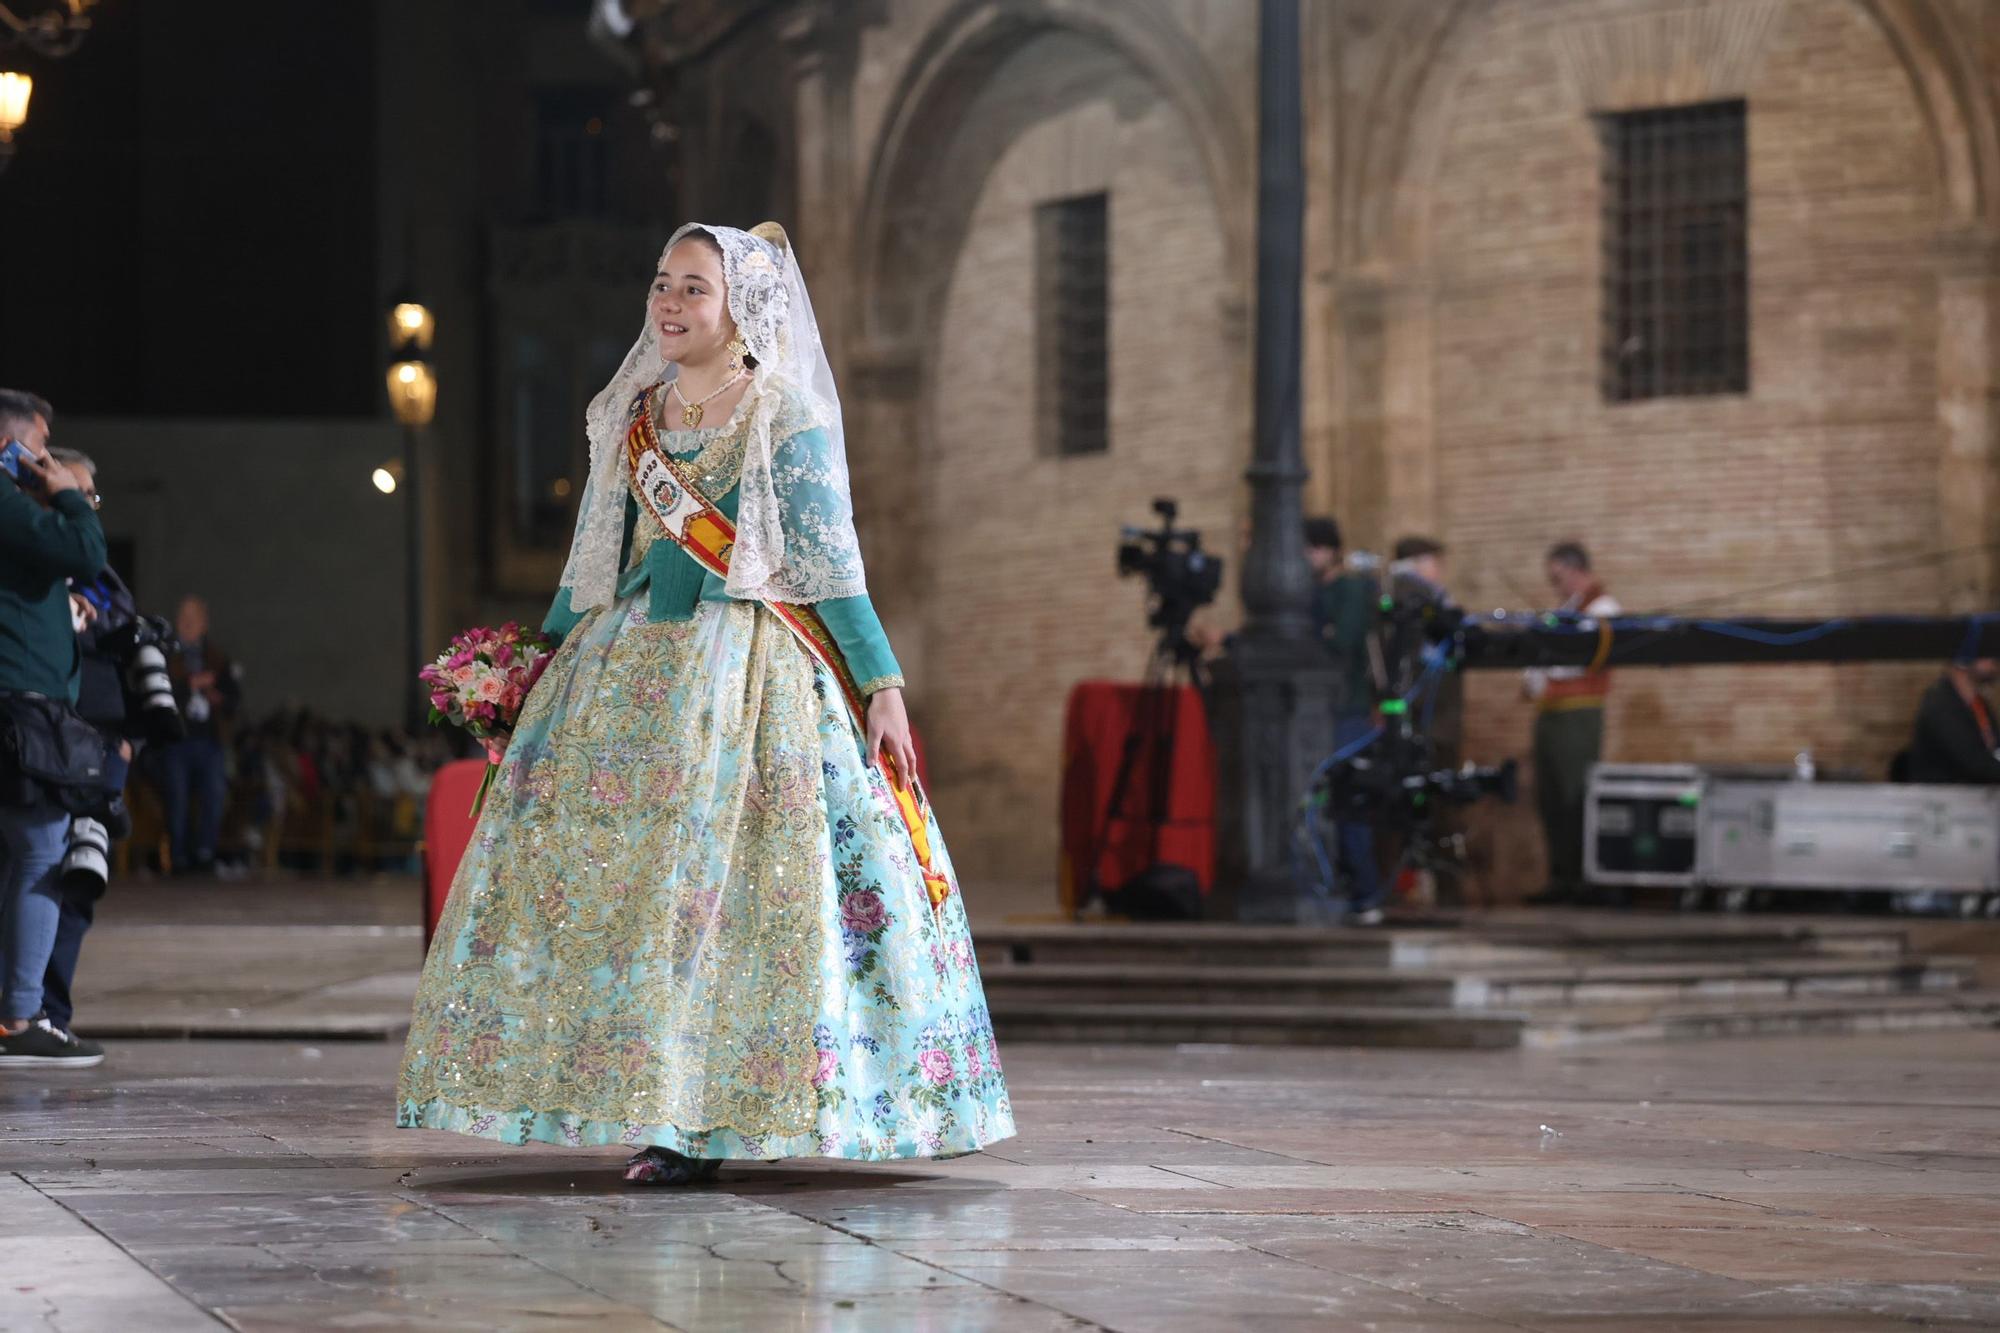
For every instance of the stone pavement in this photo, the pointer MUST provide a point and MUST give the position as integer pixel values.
(1792, 1183)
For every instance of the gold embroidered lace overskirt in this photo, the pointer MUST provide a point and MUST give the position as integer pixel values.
(689, 915)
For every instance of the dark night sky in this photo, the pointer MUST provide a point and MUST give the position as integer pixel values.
(189, 224)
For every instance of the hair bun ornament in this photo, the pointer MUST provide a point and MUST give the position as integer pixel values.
(775, 234)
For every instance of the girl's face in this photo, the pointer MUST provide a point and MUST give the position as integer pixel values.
(689, 308)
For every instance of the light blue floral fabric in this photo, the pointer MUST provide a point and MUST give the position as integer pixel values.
(690, 916)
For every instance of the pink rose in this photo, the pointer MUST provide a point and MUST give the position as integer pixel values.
(490, 689)
(829, 1065)
(863, 912)
(936, 1066)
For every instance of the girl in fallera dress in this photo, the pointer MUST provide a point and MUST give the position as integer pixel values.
(706, 912)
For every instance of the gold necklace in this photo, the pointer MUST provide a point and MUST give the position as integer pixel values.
(691, 412)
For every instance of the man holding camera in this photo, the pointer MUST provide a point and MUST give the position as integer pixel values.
(49, 534)
(106, 610)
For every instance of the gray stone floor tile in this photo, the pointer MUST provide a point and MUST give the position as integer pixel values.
(1800, 1183)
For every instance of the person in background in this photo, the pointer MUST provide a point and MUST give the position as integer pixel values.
(1569, 728)
(1344, 617)
(195, 770)
(1955, 739)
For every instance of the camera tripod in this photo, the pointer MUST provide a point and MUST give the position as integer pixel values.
(1159, 891)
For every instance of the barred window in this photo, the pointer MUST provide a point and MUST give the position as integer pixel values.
(1676, 264)
(1073, 323)
(572, 152)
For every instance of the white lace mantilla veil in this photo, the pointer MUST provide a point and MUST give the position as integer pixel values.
(795, 537)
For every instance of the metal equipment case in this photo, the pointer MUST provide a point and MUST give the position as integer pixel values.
(1849, 835)
(1642, 825)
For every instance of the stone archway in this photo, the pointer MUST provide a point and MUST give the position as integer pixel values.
(983, 82)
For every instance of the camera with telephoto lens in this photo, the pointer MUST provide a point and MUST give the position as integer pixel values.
(1180, 576)
(140, 648)
(86, 863)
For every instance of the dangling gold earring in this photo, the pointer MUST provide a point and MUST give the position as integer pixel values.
(738, 349)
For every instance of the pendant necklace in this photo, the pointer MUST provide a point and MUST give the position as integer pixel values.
(691, 412)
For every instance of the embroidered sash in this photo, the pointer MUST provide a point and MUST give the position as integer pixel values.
(666, 490)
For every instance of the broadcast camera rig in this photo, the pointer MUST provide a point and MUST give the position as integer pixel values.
(1392, 777)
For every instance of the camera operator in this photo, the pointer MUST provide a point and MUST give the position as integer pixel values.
(1344, 602)
(50, 759)
(107, 607)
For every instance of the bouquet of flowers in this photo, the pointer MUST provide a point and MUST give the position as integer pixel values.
(481, 681)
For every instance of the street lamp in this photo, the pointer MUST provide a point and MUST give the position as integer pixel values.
(15, 90)
(56, 30)
(413, 388)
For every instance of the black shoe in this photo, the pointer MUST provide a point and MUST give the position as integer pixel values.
(43, 1043)
(664, 1166)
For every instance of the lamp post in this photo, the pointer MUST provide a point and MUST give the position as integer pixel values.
(15, 89)
(413, 387)
(1274, 695)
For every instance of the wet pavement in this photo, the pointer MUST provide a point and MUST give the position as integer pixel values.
(1791, 1183)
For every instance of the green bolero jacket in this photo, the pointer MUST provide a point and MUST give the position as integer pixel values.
(675, 584)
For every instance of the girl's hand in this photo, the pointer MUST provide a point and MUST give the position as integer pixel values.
(889, 725)
(496, 747)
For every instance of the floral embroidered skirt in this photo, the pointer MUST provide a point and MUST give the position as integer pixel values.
(690, 916)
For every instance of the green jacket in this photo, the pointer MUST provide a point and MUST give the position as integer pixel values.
(675, 584)
(1344, 614)
(41, 550)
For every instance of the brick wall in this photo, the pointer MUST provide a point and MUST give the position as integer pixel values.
(1024, 599)
(1828, 464)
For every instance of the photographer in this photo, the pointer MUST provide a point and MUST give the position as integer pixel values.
(106, 608)
(49, 757)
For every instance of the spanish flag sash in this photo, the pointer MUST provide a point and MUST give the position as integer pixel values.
(666, 491)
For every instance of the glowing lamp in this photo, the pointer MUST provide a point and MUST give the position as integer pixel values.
(15, 90)
(411, 325)
(413, 390)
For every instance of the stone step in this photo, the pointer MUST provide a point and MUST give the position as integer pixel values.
(1255, 1025)
(1815, 1015)
(1392, 1026)
(1438, 943)
(1582, 983)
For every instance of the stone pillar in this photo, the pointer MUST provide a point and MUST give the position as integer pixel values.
(1968, 370)
(824, 49)
(1272, 705)
(882, 403)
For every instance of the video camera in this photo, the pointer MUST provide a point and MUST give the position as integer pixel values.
(1180, 577)
(1392, 777)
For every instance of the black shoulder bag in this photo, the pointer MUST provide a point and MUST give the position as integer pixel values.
(48, 752)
